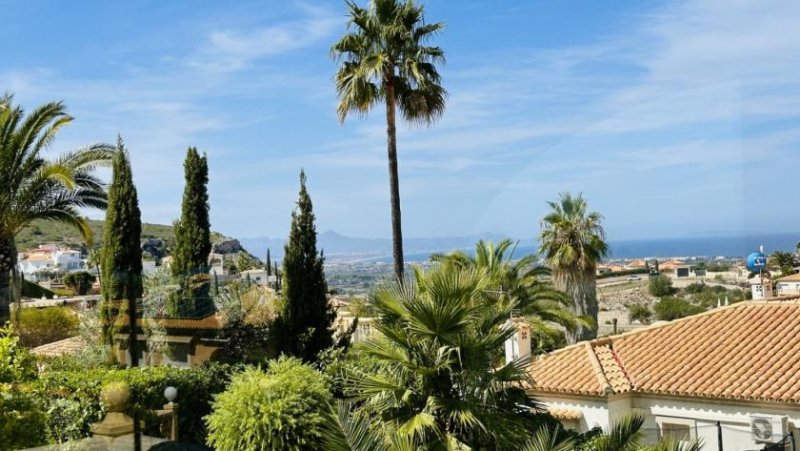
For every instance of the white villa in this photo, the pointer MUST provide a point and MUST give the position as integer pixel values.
(49, 256)
(733, 372)
(788, 286)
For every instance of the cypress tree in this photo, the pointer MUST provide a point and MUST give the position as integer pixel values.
(193, 239)
(122, 252)
(269, 264)
(304, 324)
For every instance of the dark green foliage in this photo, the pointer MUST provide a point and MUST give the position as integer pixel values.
(80, 281)
(122, 252)
(193, 242)
(627, 272)
(280, 409)
(708, 295)
(784, 261)
(303, 327)
(269, 264)
(718, 267)
(40, 326)
(75, 397)
(22, 420)
(36, 291)
(640, 312)
(660, 285)
(192, 231)
(670, 308)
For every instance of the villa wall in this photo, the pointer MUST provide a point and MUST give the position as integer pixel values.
(702, 415)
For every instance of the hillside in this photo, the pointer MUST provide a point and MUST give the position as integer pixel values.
(41, 232)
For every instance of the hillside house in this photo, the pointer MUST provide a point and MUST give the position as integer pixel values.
(788, 286)
(733, 371)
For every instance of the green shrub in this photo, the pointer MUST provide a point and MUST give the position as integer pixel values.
(16, 363)
(73, 397)
(660, 286)
(282, 409)
(670, 308)
(640, 312)
(36, 291)
(627, 272)
(40, 326)
(80, 281)
(21, 419)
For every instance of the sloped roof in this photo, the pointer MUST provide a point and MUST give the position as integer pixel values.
(747, 351)
(789, 278)
(61, 347)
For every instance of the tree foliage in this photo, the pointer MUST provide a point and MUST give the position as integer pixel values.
(523, 283)
(41, 326)
(660, 285)
(122, 252)
(79, 281)
(303, 327)
(384, 57)
(437, 378)
(572, 242)
(35, 188)
(193, 241)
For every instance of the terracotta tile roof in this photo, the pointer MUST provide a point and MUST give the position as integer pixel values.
(747, 351)
(209, 322)
(790, 278)
(62, 347)
(564, 413)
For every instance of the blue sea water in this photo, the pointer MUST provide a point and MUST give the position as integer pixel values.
(713, 246)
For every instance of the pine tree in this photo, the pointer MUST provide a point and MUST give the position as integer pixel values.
(304, 324)
(122, 252)
(193, 239)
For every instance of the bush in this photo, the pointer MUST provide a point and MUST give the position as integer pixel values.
(660, 286)
(73, 397)
(627, 272)
(16, 363)
(21, 419)
(80, 282)
(41, 326)
(639, 312)
(670, 308)
(282, 409)
(36, 291)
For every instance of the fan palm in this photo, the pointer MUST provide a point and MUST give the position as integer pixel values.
(436, 378)
(35, 188)
(572, 242)
(384, 58)
(523, 283)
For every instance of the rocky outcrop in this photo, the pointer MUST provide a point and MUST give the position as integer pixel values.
(228, 246)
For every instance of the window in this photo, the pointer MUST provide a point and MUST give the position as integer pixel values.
(680, 429)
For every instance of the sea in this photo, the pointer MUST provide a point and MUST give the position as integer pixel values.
(734, 246)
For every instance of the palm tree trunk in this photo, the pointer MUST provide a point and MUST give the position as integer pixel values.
(8, 265)
(394, 183)
(581, 286)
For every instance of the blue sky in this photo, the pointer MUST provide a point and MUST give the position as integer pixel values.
(672, 118)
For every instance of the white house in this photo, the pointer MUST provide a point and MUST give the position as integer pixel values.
(788, 286)
(67, 259)
(257, 276)
(732, 371)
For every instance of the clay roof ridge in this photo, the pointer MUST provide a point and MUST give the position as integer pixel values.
(598, 368)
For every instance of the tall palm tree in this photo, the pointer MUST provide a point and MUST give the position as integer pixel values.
(384, 58)
(32, 187)
(522, 282)
(572, 242)
(436, 379)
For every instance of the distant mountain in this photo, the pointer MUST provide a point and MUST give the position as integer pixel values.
(338, 246)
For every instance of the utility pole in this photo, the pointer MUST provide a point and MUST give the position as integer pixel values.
(719, 436)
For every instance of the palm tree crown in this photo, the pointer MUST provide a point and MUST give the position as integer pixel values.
(384, 54)
(572, 242)
(384, 57)
(523, 283)
(35, 188)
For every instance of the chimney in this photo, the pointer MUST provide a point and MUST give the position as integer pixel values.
(519, 345)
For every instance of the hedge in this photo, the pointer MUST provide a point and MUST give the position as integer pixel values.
(627, 272)
(73, 397)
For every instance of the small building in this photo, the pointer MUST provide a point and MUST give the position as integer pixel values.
(67, 259)
(258, 277)
(731, 372)
(761, 289)
(788, 286)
